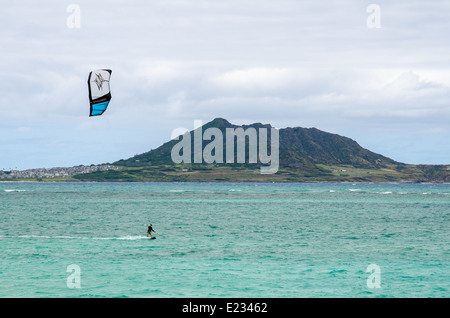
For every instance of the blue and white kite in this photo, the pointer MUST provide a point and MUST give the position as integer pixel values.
(99, 91)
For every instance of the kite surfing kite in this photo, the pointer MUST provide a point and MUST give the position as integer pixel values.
(99, 91)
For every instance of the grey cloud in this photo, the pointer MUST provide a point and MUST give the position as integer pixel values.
(289, 63)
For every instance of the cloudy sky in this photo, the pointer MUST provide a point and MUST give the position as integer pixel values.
(377, 74)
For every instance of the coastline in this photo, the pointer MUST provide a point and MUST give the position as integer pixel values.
(242, 173)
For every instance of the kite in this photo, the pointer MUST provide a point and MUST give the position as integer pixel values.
(99, 91)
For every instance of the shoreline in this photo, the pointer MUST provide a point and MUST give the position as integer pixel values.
(218, 174)
(224, 182)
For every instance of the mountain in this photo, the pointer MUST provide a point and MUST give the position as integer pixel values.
(305, 154)
(297, 147)
(162, 154)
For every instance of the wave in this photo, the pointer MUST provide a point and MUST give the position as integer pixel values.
(193, 191)
(14, 190)
(126, 237)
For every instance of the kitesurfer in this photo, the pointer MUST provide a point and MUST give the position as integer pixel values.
(149, 231)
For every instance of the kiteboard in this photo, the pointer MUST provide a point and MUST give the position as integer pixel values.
(153, 238)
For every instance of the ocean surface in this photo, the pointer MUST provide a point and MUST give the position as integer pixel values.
(224, 240)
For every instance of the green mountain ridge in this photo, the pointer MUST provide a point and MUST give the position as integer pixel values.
(298, 146)
(305, 155)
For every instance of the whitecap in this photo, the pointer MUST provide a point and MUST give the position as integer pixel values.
(132, 237)
(34, 236)
(126, 237)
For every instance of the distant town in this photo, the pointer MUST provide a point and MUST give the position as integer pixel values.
(58, 172)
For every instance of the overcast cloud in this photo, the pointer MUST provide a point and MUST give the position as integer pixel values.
(288, 63)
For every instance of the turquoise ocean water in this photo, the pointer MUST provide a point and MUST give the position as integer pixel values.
(224, 240)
